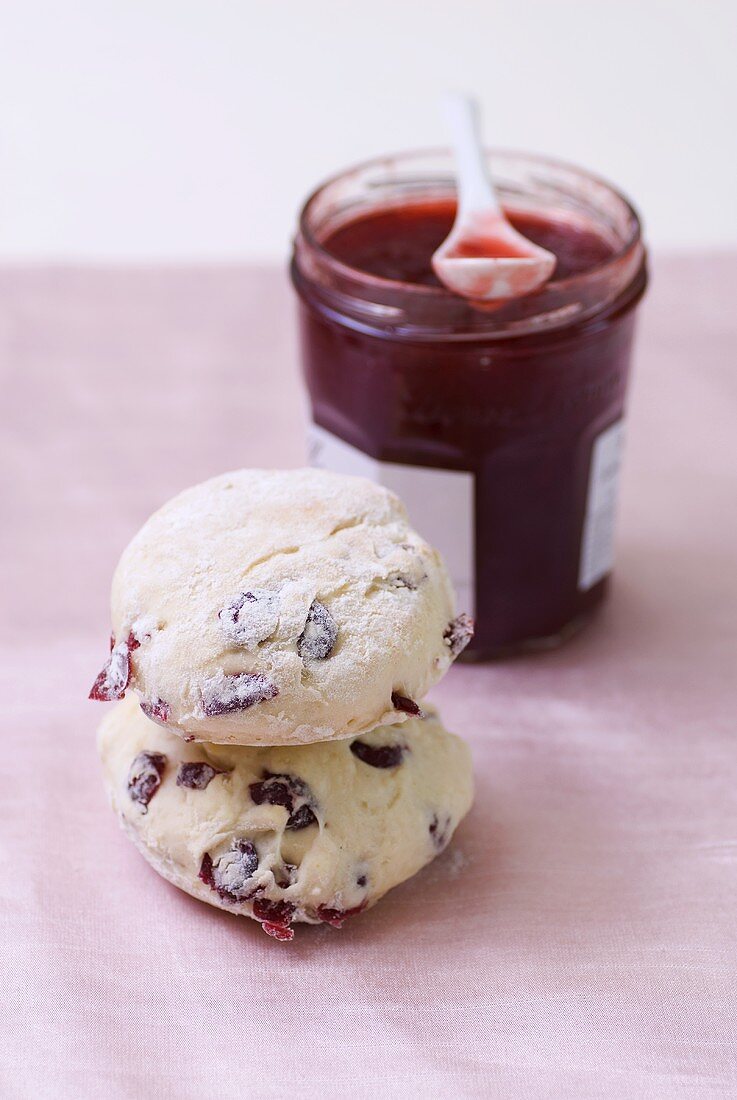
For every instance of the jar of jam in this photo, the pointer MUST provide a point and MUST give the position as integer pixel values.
(500, 425)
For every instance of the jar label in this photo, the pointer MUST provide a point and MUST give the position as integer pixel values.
(597, 543)
(440, 502)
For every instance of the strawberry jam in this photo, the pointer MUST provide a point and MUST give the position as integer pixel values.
(500, 425)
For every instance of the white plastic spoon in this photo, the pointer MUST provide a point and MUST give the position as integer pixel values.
(483, 257)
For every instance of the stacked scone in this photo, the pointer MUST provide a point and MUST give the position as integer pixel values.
(278, 631)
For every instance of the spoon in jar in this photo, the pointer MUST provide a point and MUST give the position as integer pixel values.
(483, 257)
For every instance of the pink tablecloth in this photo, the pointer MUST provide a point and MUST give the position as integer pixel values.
(579, 939)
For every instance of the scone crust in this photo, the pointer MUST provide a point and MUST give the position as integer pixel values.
(298, 544)
(370, 827)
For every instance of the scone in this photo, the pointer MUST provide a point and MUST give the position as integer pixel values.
(280, 607)
(312, 833)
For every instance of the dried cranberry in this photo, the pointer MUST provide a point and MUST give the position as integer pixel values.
(133, 642)
(278, 931)
(459, 633)
(275, 917)
(230, 876)
(337, 916)
(225, 694)
(379, 756)
(316, 641)
(409, 706)
(114, 678)
(196, 776)
(250, 618)
(277, 789)
(275, 912)
(440, 831)
(302, 818)
(285, 875)
(206, 872)
(144, 777)
(157, 710)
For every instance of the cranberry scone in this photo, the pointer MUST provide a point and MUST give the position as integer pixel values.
(280, 607)
(309, 833)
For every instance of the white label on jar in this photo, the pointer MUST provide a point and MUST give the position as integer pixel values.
(439, 502)
(597, 544)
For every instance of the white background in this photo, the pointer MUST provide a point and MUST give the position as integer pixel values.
(191, 129)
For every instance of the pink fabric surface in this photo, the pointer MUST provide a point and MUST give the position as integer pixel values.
(579, 937)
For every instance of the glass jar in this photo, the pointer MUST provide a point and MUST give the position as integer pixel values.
(500, 426)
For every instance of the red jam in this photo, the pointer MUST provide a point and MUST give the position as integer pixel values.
(522, 399)
(398, 244)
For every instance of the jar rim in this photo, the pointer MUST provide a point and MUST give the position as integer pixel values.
(441, 293)
(410, 311)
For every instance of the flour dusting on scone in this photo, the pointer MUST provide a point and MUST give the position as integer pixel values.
(280, 607)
